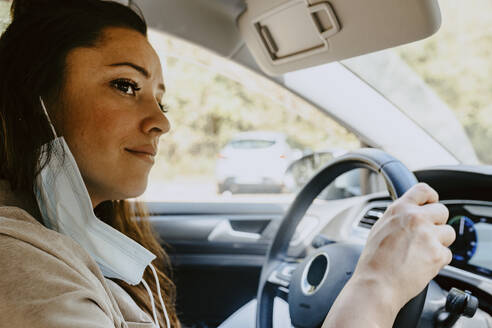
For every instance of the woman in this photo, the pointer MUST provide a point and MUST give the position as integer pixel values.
(86, 61)
(80, 120)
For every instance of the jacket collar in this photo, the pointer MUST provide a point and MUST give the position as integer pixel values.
(17, 199)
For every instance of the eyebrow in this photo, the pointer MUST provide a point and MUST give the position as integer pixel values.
(140, 69)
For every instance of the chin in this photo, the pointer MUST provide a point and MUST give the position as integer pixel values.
(137, 191)
(130, 190)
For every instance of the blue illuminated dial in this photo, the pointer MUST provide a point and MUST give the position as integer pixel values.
(465, 244)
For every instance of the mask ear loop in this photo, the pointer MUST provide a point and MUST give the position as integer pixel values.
(156, 323)
(48, 117)
(168, 325)
(51, 223)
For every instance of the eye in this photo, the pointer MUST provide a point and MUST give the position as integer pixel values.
(126, 86)
(164, 107)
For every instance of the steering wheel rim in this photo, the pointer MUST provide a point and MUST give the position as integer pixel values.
(398, 180)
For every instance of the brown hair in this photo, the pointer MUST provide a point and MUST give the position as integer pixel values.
(132, 220)
(33, 52)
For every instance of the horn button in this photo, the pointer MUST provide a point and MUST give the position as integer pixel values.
(315, 273)
(318, 280)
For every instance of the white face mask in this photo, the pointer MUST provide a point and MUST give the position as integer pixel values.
(66, 207)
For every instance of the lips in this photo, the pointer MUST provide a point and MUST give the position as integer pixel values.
(149, 150)
(146, 152)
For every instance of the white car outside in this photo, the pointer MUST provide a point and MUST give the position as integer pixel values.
(254, 161)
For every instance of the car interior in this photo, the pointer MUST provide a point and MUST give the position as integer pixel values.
(331, 56)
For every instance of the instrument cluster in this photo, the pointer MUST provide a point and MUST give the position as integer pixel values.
(472, 249)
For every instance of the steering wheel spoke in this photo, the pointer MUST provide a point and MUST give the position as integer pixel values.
(282, 274)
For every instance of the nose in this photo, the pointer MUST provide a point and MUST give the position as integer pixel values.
(155, 122)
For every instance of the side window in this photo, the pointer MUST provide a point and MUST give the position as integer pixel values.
(234, 134)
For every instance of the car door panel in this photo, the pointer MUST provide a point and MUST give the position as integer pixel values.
(217, 250)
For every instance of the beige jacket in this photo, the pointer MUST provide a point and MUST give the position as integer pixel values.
(48, 281)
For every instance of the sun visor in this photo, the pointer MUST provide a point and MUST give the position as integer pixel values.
(284, 36)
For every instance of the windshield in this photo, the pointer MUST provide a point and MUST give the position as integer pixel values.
(448, 72)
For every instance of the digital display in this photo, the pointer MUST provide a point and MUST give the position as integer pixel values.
(472, 249)
(483, 254)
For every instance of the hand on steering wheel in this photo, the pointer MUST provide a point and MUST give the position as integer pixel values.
(406, 248)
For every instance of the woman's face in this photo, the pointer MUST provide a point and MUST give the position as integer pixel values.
(110, 113)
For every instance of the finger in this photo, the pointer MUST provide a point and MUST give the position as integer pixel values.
(421, 194)
(446, 234)
(437, 212)
(447, 256)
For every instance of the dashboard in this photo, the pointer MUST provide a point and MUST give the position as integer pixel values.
(467, 192)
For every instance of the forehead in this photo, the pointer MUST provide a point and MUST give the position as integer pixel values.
(117, 45)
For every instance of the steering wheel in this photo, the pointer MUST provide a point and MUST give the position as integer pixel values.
(316, 282)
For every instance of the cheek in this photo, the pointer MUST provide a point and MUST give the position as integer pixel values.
(97, 135)
(97, 127)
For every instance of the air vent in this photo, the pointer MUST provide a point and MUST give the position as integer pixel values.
(371, 216)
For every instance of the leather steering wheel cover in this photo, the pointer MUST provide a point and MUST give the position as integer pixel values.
(398, 180)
